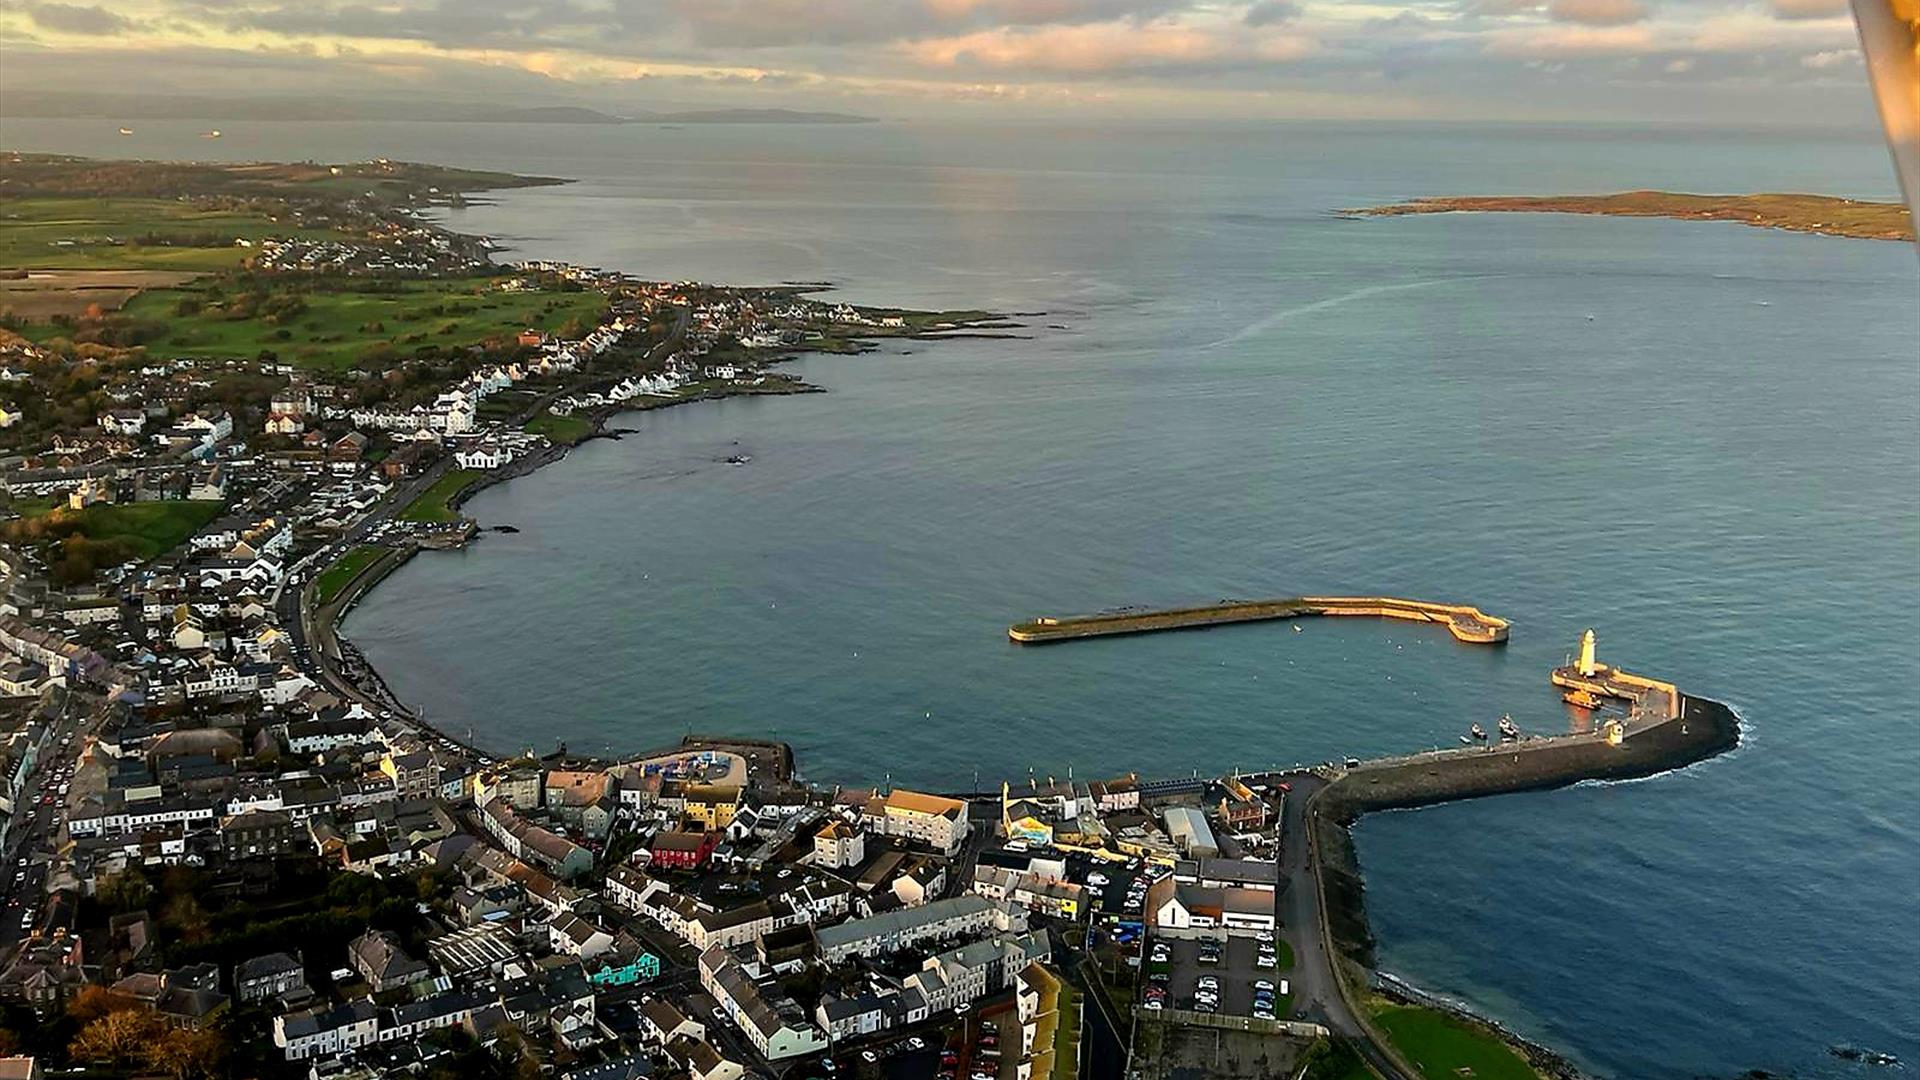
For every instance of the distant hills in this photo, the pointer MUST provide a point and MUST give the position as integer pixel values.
(125, 108)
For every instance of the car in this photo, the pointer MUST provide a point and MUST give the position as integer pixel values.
(988, 1025)
(1268, 960)
(1262, 984)
(1206, 1006)
(1262, 1013)
(1160, 976)
(869, 1056)
(961, 1008)
(1154, 1006)
(1097, 879)
(948, 1057)
(1210, 982)
(916, 1043)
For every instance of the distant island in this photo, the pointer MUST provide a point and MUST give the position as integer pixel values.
(123, 108)
(1822, 214)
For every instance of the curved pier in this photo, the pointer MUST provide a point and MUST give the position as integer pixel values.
(1468, 624)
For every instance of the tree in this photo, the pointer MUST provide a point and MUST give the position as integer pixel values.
(117, 1039)
(125, 891)
(184, 1055)
(94, 1002)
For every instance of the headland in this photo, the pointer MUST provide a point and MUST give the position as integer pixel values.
(1825, 215)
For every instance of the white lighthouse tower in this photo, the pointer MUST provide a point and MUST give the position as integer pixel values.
(1587, 665)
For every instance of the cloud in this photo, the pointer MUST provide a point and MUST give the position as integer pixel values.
(1596, 12)
(1114, 48)
(1271, 12)
(1809, 9)
(1830, 58)
(77, 19)
(1680, 66)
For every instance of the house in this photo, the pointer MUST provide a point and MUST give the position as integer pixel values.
(674, 850)
(838, 845)
(938, 822)
(575, 936)
(124, 421)
(1181, 910)
(258, 834)
(347, 449)
(894, 931)
(275, 974)
(662, 1021)
(771, 1020)
(380, 960)
(326, 1032)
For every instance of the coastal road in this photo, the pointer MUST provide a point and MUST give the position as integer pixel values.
(315, 639)
(1316, 991)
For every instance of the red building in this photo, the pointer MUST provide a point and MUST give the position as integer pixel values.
(674, 850)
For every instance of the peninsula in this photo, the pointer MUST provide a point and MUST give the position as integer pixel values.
(1825, 215)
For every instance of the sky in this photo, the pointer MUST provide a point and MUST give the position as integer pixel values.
(1747, 62)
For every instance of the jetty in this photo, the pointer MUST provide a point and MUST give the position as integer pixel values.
(1465, 623)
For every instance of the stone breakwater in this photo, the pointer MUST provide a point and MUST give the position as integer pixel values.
(1465, 623)
(1702, 729)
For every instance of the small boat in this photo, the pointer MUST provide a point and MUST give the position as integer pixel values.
(1297, 630)
(738, 459)
(1478, 732)
(214, 134)
(126, 131)
(1581, 699)
(1507, 728)
(1464, 741)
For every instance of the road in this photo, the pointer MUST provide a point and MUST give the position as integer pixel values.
(1316, 993)
(31, 843)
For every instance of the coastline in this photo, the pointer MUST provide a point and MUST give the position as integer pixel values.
(1331, 812)
(1704, 729)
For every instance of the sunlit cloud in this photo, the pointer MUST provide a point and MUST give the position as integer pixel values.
(1193, 57)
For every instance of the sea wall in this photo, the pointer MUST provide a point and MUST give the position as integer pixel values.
(1703, 729)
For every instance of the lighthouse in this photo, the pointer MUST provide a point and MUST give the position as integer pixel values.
(1587, 665)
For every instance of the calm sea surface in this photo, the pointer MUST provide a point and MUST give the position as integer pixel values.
(1702, 440)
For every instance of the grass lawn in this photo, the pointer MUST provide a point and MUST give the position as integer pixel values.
(1066, 1036)
(1283, 953)
(1445, 1047)
(433, 504)
(95, 233)
(149, 529)
(1336, 1061)
(33, 506)
(336, 329)
(345, 569)
(565, 430)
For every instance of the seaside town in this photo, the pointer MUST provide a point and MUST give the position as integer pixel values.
(231, 851)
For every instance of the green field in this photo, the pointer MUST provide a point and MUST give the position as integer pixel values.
(83, 542)
(434, 504)
(345, 569)
(96, 234)
(334, 330)
(1445, 1047)
(565, 430)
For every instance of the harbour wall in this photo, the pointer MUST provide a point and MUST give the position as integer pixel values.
(1466, 623)
(1702, 729)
